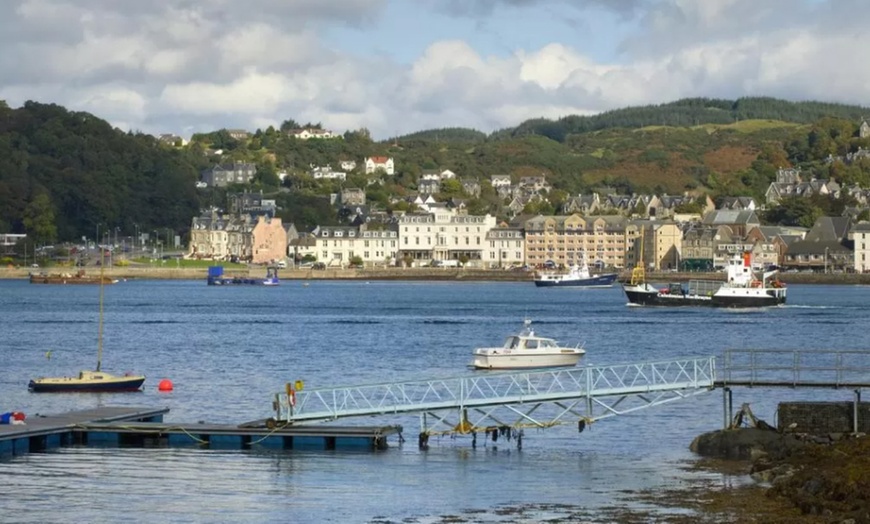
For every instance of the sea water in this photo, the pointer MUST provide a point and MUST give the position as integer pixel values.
(228, 350)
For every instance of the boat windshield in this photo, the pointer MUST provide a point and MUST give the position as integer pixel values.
(511, 342)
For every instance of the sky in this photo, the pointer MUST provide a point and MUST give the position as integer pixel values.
(399, 66)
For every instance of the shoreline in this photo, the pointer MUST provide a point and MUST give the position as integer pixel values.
(407, 274)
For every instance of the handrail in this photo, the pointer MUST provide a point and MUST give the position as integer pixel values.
(497, 389)
(795, 367)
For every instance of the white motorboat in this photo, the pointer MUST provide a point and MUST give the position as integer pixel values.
(526, 350)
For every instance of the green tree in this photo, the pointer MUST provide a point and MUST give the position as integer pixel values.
(39, 220)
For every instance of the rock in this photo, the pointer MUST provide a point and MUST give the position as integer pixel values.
(740, 444)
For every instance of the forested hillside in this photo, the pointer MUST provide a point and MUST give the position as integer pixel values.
(64, 174)
(687, 113)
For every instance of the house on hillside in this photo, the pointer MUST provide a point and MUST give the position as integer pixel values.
(172, 140)
(311, 133)
(352, 196)
(501, 184)
(583, 204)
(533, 184)
(429, 187)
(223, 175)
(741, 203)
(380, 163)
(249, 203)
(238, 134)
(789, 183)
(471, 187)
(326, 173)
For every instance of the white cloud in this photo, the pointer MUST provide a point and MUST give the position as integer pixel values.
(178, 66)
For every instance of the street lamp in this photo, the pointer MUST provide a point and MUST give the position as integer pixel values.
(826, 261)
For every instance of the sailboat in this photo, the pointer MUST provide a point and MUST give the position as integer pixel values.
(90, 381)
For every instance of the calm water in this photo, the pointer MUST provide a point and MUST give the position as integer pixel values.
(228, 350)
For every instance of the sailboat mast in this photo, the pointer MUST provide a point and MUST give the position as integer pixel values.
(100, 329)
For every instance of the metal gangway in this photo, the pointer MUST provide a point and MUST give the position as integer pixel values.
(491, 401)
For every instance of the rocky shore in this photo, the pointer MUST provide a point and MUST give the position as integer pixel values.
(771, 477)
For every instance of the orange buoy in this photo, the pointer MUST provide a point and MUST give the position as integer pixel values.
(165, 385)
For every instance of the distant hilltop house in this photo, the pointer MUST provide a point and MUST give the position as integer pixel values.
(223, 175)
(375, 163)
(172, 140)
(238, 134)
(326, 172)
(347, 165)
(311, 133)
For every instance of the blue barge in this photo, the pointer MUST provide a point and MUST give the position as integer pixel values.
(132, 427)
(216, 278)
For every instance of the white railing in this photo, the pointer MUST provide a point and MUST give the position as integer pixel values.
(611, 388)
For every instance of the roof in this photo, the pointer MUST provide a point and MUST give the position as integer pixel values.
(728, 216)
(831, 229)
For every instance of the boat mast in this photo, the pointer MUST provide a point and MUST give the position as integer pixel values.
(100, 332)
(638, 274)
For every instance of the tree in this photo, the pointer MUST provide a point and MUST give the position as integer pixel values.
(39, 220)
(289, 124)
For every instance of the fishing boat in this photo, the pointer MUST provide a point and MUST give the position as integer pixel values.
(527, 350)
(577, 276)
(90, 381)
(741, 289)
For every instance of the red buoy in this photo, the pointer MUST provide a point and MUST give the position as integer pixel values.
(165, 385)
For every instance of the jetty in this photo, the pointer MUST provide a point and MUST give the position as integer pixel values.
(132, 427)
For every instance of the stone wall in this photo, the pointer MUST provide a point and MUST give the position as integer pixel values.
(822, 417)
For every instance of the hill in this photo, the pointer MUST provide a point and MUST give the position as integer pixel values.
(687, 113)
(64, 175)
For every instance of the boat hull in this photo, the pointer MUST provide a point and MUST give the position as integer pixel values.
(646, 295)
(78, 385)
(513, 361)
(58, 279)
(594, 281)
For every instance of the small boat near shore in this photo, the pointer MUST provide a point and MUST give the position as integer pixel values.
(79, 277)
(526, 350)
(577, 276)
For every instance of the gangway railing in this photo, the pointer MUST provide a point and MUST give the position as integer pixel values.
(486, 400)
(795, 368)
(846, 369)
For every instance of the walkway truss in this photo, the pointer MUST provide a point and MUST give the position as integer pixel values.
(488, 401)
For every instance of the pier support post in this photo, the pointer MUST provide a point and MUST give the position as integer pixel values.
(727, 406)
(855, 410)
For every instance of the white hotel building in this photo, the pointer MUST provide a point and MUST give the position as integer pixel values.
(444, 235)
(335, 246)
